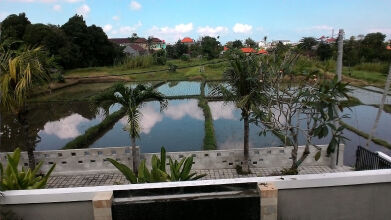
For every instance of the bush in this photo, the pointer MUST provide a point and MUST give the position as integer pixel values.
(160, 57)
(372, 67)
(172, 68)
(136, 62)
(13, 179)
(185, 57)
(179, 171)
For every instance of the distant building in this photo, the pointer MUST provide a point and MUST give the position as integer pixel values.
(135, 50)
(188, 41)
(121, 41)
(284, 42)
(262, 51)
(158, 44)
(142, 42)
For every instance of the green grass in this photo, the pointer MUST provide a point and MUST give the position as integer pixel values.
(365, 135)
(368, 76)
(95, 132)
(209, 139)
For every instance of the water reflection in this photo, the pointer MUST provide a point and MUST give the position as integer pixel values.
(179, 128)
(229, 128)
(180, 88)
(64, 128)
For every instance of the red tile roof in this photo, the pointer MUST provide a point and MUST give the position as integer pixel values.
(187, 40)
(120, 40)
(248, 50)
(262, 51)
(225, 48)
(388, 47)
(331, 40)
(140, 40)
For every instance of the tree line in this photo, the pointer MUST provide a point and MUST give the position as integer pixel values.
(72, 45)
(368, 48)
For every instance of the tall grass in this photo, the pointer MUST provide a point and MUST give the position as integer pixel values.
(372, 67)
(135, 62)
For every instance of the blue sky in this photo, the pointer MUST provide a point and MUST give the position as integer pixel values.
(229, 19)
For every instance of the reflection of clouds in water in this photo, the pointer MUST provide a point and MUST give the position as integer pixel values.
(66, 127)
(179, 111)
(149, 118)
(222, 110)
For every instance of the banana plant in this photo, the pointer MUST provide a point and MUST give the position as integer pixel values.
(13, 179)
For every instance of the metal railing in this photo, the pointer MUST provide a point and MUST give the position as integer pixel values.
(368, 160)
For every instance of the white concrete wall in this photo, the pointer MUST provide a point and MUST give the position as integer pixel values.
(92, 160)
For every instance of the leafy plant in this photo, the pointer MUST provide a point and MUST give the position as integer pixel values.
(172, 68)
(180, 171)
(13, 179)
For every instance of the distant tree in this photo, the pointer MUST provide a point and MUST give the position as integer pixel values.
(306, 44)
(133, 37)
(373, 47)
(324, 51)
(195, 50)
(160, 57)
(132, 99)
(210, 47)
(170, 50)
(13, 27)
(237, 44)
(250, 43)
(180, 49)
(351, 52)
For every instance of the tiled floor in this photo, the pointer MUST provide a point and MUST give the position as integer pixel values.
(117, 178)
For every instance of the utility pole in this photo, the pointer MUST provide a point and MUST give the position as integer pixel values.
(340, 54)
(381, 107)
(335, 154)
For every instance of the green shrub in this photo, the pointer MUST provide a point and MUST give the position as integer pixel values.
(160, 57)
(13, 179)
(172, 68)
(136, 62)
(185, 57)
(179, 171)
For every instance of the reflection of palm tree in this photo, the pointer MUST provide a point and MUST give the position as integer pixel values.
(244, 89)
(18, 72)
(132, 100)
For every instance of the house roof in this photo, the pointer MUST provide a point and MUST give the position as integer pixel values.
(157, 40)
(248, 50)
(187, 40)
(137, 48)
(262, 51)
(388, 47)
(120, 40)
(225, 48)
(331, 40)
(140, 40)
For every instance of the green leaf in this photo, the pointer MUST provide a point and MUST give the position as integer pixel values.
(126, 171)
(317, 155)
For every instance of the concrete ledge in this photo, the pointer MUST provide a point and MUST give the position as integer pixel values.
(281, 182)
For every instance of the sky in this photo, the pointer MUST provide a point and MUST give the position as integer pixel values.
(171, 20)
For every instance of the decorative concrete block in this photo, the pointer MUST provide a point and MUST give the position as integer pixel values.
(101, 204)
(269, 200)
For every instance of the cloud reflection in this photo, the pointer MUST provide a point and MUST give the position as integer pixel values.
(181, 110)
(66, 127)
(221, 110)
(149, 118)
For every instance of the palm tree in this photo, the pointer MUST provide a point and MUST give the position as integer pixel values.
(19, 70)
(244, 88)
(132, 99)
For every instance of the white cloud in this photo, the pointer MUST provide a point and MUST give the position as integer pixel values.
(116, 18)
(83, 10)
(210, 31)
(57, 7)
(126, 30)
(172, 33)
(242, 28)
(107, 28)
(66, 127)
(149, 118)
(135, 5)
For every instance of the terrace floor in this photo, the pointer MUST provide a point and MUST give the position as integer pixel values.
(117, 178)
